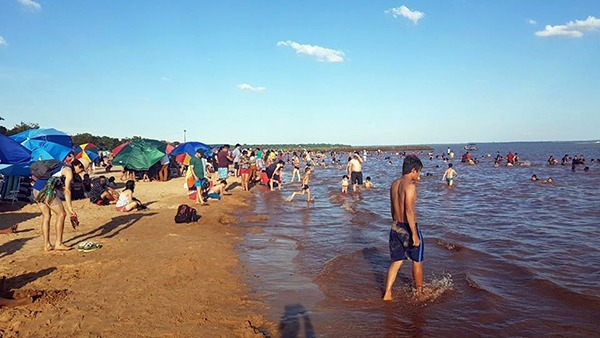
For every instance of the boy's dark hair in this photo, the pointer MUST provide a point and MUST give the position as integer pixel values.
(111, 179)
(411, 162)
(345, 176)
(368, 178)
(449, 165)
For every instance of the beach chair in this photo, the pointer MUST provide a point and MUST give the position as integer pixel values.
(11, 188)
(13, 193)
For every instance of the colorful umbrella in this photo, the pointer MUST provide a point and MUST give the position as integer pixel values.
(139, 154)
(118, 148)
(45, 144)
(183, 159)
(89, 151)
(169, 149)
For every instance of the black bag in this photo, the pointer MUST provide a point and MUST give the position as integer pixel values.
(186, 214)
(43, 169)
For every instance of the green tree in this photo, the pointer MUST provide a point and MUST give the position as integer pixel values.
(22, 127)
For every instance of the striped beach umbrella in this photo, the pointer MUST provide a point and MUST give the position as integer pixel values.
(88, 151)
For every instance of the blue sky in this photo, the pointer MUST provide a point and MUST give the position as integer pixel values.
(353, 72)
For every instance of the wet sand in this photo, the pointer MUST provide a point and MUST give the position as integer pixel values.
(152, 277)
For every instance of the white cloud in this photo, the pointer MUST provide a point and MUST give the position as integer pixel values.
(413, 16)
(164, 78)
(321, 53)
(245, 86)
(532, 22)
(3, 42)
(573, 29)
(30, 4)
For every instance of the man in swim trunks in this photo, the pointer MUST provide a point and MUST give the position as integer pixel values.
(405, 240)
(354, 168)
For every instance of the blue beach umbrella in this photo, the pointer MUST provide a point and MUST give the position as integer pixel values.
(190, 148)
(46, 143)
(12, 151)
(14, 158)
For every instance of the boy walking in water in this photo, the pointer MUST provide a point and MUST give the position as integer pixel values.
(305, 187)
(406, 241)
(449, 175)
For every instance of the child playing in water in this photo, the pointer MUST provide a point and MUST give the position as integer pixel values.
(368, 184)
(449, 175)
(345, 182)
(305, 187)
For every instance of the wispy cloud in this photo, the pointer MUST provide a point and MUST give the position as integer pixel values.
(572, 29)
(3, 42)
(321, 53)
(164, 78)
(531, 22)
(413, 16)
(245, 86)
(30, 4)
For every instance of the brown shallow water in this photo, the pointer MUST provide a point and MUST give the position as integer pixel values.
(503, 255)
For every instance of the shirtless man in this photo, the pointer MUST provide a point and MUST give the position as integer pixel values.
(405, 240)
(354, 169)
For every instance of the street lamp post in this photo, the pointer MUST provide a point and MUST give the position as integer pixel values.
(184, 135)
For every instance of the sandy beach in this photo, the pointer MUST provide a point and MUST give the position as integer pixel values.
(151, 278)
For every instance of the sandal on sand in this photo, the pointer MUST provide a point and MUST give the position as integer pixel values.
(88, 246)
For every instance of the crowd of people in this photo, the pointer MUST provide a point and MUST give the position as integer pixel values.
(206, 178)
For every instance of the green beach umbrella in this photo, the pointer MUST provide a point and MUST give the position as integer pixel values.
(140, 154)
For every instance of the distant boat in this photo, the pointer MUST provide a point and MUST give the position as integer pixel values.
(470, 147)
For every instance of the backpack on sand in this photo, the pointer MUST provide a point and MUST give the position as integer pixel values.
(186, 214)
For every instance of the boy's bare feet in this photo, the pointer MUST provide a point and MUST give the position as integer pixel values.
(61, 247)
(387, 296)
(48, 248)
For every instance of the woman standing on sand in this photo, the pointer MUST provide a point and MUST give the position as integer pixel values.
(46, 191)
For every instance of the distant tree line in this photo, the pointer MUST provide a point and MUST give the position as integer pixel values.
(103, 142)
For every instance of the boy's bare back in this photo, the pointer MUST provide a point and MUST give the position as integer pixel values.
(402, 188)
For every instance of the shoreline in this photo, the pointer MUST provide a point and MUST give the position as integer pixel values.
(152, 277)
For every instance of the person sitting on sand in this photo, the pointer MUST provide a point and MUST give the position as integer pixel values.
(126, 201)
(217, 190)
(46, 194)
(101, 193)
(305, 187)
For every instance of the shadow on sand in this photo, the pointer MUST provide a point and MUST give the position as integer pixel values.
(110, 229)
(293, 320)
(13, 246)
(17, 282)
